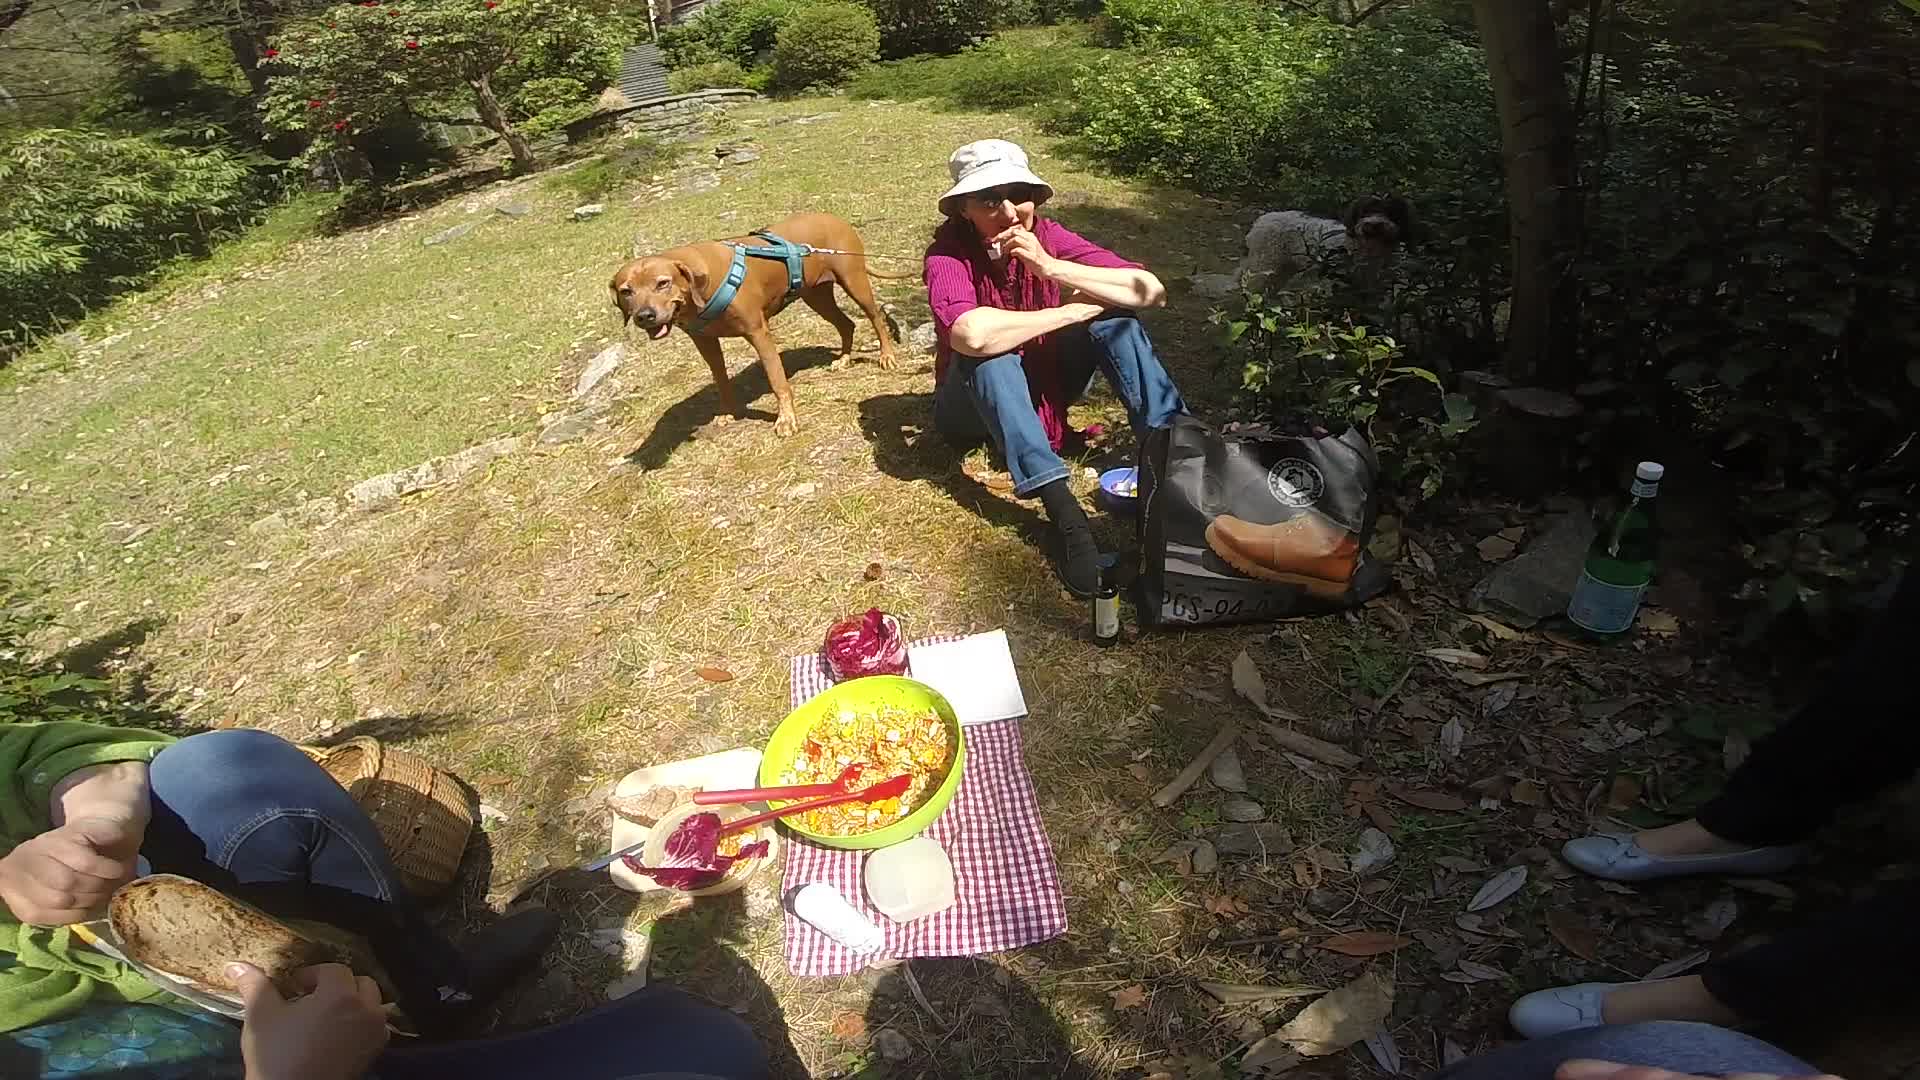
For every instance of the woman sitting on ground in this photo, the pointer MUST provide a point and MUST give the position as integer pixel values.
(1025, 311)
(84, 808)
(1857, 737)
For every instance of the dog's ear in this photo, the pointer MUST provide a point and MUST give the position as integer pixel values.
(696, 284)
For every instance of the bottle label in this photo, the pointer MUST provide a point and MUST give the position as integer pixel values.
(1603, 608)
(1644, 489)
(1106, 617)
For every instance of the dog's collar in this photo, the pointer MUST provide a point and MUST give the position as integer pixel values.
(776, 248)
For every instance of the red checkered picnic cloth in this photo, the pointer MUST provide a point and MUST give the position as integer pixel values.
(1006, 884)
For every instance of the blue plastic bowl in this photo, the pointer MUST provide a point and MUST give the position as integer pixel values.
(1111, 498)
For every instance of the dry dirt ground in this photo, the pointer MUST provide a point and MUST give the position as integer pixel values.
(538, 627)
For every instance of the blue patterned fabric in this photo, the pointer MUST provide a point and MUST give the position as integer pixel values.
(149, 1042)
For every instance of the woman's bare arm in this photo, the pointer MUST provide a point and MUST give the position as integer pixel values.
(990, 331)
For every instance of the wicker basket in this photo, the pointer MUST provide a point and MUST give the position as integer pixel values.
(421, 812)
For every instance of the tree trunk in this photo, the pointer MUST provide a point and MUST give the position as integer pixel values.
(1543, 204)
(246, 53)
(496, 118)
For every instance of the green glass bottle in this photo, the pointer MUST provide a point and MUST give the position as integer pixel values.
(1620, 562)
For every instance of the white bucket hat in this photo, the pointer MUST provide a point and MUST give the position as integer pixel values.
(990, 163)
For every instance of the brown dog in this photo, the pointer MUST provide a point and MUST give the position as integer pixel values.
(658, 292)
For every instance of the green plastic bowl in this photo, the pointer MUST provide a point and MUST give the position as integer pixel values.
(860, 694)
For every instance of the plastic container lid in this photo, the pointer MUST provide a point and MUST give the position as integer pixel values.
(910, 880)
(1650, 471)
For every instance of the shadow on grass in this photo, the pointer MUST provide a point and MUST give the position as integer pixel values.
(990, 1024)
(685, 417)
(905, 446)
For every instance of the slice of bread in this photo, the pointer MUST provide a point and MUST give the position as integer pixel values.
(192, 931)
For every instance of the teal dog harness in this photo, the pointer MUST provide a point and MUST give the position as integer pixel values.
(794, 255)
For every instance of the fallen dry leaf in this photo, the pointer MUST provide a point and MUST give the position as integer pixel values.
(1459, 864)
(1626, 791)
(1452, 736)
(1527, 793)
(714, 674)
(1385, 1053)
(1498, 888)
(1326, 860)
(1365, 943)
(1676, 967)
(1463, 657)
(1338, 1020)
(849, 1027)
(1713, 922)
(1227, 906)
(1428, 800)
(1499, 696)
(1498, 629)
(1381, 817)
(1420, 557)
(1482, 972)
(1763, 887)
(1247, 681)
(874, 571)
(1485, 678)
(1129, 997)
(1573, 932)
(1240, 993)
(1654, 621)
(1138, 771)
(1495, 548)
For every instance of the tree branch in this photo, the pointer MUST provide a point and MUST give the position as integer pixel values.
(1369, 12)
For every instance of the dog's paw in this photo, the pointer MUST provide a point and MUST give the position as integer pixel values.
(841, 362)
(723, 419)
(787, 424)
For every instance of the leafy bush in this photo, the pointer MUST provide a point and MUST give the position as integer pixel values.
(721, 74)
(632, 159)
(1020, 69)
(538, 95)
(1303, 361)
(739, 30)
(1302, 111)
(1177, 22)
(84, 214)
(914, 27)
(823, 45)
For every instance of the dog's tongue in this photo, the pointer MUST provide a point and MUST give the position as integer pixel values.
(660, 331)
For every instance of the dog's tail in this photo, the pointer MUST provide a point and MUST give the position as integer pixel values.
(884, 276)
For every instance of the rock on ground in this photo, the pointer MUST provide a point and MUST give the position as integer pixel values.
(1226, 772)
(377, 491)
(454, 233)
(1256, 838)
(1537, 584)
(923, 339)
(591, 210)
(603, 365)
(1214, 286)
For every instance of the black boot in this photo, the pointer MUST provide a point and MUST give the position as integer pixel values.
(441, 987)
(1077, 562)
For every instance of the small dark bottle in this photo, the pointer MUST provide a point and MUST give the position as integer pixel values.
(1106, 612)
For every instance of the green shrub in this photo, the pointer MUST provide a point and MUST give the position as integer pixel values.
(823, 45)
(632, 159)
(536, 96)
(1031, 68)
(86, 213)
(722, 74)
(1177, 22)
(739, 30)
(1303, 111)
(914, 27)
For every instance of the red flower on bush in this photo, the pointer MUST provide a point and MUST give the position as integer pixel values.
(315, 103)
(339, 125)
(491, 4)
(270, 53)
(413, 44)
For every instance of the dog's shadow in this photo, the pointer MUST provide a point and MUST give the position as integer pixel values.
(905, 446)
(687, 416)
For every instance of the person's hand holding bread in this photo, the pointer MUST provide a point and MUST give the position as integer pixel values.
(332, 1032)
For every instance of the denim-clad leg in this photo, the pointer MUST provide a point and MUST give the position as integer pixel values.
(251, 815)
(989, 397)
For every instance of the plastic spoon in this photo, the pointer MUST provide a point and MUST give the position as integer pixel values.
(848, 777)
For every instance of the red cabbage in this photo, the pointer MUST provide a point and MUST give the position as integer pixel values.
(869, 644)
(692, 858)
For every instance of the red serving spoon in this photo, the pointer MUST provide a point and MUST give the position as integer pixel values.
(848, 777)
(885, 789)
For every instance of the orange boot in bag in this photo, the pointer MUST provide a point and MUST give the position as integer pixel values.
(1306, 550)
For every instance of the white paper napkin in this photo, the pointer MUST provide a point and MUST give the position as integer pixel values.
(975, 674)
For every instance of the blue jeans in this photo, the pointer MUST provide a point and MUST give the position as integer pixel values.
(1699, 1049)
(988, 397)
